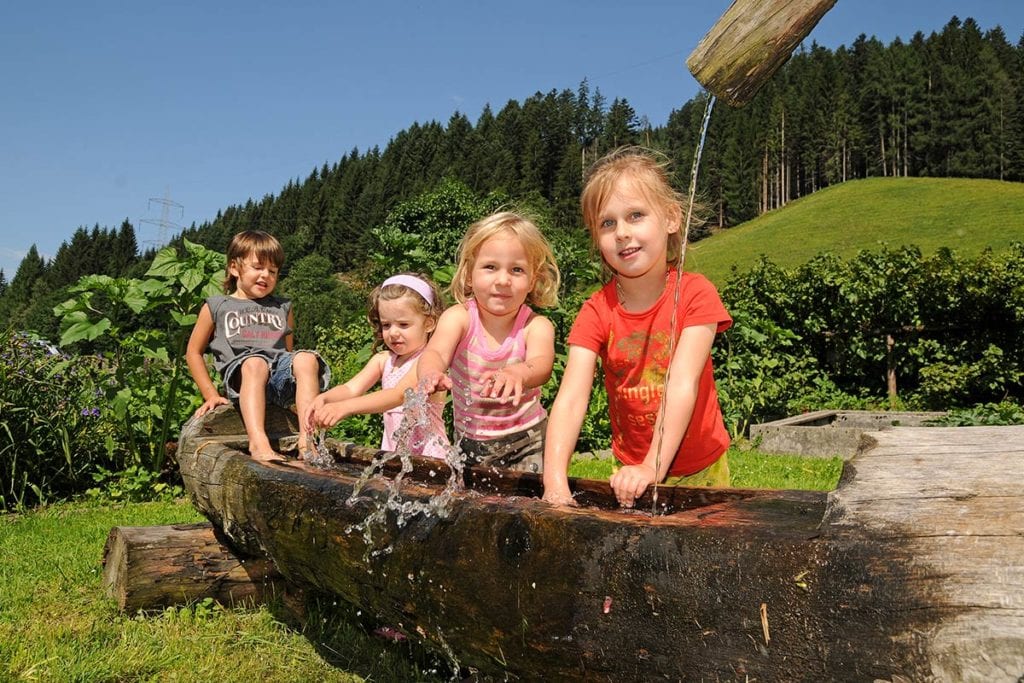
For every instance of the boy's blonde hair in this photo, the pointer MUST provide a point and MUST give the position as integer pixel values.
(391, 292)
(650, 176)
(546, 277)
(263, 246)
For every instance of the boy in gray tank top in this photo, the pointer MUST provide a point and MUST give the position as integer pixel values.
(249, 333)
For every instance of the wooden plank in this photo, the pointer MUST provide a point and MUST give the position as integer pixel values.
(938, 516)
(1008, 439)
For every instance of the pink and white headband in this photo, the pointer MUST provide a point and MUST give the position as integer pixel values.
(414, 283)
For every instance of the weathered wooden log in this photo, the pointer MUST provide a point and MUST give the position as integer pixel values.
(158, 566)
(748, 44)
(912, 568)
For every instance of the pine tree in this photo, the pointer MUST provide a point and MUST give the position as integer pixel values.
(125, 250)
(620, 125)
(22, 288)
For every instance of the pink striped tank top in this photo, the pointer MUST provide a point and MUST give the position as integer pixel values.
(429, 441)
(482, 418)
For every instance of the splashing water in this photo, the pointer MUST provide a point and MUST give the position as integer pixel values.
(319, 454)
(413, 435)
(709, 105)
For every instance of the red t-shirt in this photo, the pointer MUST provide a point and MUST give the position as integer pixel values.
(634, 348)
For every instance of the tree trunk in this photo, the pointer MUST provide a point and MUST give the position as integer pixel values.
(158, 566)
(911, 568)
(890, 372)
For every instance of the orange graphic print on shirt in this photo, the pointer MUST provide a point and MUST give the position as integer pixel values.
(638, 369)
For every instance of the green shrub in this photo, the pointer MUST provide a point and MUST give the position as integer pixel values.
(990, 414)
(55, 428)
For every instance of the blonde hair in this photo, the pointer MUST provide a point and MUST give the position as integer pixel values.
(390, 292)
(257, 243)
(650, 177)
(546, 277)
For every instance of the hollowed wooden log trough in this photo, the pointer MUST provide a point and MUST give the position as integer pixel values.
(913, 567)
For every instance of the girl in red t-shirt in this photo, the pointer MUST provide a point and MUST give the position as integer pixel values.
(635, 219)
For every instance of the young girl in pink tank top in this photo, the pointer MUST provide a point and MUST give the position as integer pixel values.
(404, 311)
(496, 351)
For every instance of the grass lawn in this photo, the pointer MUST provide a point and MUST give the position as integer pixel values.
(748, 470)
(962, 214)
(56, 624)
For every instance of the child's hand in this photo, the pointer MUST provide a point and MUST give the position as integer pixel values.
(328, 415)
(435, 381)
(559, 497)
(209, 404)
(306, 418)
(630, 482)
(506, 385)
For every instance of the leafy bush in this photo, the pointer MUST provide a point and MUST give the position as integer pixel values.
(760, 370)
(946, 330)
(346, 348)
(148, 364)
(989, 414)
(133, 484)
(54, 430)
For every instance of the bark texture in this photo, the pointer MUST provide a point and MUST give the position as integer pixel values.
(749, 43)
(912, 568)
(159, 566)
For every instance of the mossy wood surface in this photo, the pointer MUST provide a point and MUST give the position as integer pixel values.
(912, 568)
(748, 44)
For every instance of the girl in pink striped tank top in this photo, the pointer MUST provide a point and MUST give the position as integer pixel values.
(496, 351)
(404, 311)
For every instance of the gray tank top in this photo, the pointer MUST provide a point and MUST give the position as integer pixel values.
(246, 327)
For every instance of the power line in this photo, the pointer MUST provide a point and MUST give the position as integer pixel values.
(166, 229)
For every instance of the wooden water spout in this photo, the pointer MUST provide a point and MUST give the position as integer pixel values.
(750, 42)
(911, 570)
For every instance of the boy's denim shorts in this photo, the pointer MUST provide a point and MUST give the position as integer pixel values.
(281, 384)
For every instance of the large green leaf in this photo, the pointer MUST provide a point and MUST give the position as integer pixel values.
(165, 264)
(83, 329)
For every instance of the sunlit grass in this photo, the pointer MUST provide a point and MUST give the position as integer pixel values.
(749, 469)
(56, 623)
(963, 214)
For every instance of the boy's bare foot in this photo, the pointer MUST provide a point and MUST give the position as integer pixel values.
(266, 456)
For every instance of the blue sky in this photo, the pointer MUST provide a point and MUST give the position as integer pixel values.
(107, 105)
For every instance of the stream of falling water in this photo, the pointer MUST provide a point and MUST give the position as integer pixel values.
(708, 106)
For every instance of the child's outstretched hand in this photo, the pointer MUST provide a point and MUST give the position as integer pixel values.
(327, 415)
(434, 381)
(306, 417)
(506, 385)
(209, 404)
(630, 482)
(559, 497)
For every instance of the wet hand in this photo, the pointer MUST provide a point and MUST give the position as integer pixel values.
(434, 381)
(556, 497)
(306, 418)
(630, 482)
(506, 385)
(327, 415)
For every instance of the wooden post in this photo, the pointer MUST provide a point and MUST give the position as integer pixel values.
(750, 42)
(890, 369)
(158, 566)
